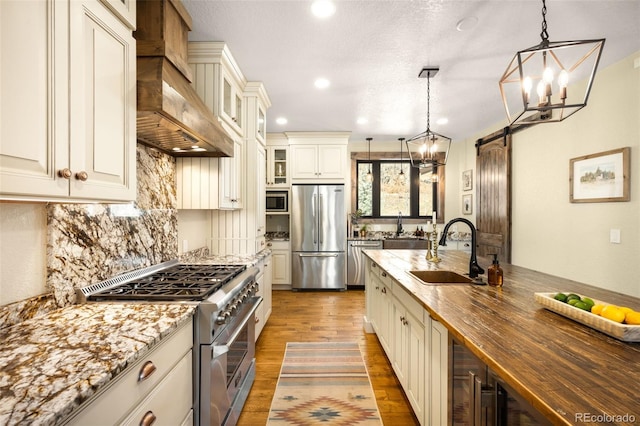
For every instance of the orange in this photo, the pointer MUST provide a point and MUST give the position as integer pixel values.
(632, 318)
(613, 313)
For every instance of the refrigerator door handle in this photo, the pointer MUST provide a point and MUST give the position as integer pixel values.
(320, 218)
(318, 255)
(315, 224)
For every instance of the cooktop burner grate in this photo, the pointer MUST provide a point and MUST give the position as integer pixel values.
(178, 282)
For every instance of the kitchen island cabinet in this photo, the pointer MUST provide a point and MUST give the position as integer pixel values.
(54, 366)
(563, 369)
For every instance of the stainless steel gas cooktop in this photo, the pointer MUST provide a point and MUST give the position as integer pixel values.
(174, 282)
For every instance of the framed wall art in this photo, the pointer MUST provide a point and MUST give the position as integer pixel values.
(600, 177)
(467, 180)
(467, 204)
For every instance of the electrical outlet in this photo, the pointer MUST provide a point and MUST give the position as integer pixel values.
(614, 236)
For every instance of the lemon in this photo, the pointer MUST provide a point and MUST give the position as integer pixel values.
(625, 309)
(613, 313)
(596, 309)
(632, 318)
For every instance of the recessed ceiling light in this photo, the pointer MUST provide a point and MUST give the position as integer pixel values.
(362, 120)
(281, 120)
(466, 24)
(321, 83)
(442, 121)
(323, 8)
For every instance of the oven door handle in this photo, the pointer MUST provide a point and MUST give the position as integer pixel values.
(219, 350)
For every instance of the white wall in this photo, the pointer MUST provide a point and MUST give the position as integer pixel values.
(194, 229)
(550, 234)
(572, 239)
(23, 243)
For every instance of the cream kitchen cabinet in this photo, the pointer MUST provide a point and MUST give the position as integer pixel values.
(325, 163)
(219, 82)
(264, 289)
(436, 404)
(68, 104)
(281, 262)
(158, 385)
(408, 360)
(382, 312)
(232, 172)
(277, 166)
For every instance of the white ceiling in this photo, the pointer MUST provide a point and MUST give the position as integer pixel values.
(372, 52)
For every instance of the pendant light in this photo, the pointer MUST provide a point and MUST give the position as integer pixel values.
(428, 149)
(537, 67)
(369, 176)
(401, 165)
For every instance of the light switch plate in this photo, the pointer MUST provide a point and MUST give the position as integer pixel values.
(614, 236)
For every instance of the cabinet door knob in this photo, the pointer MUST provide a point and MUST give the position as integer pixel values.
(147, 370)
(64, 173)
(83, 176)
(148, 419)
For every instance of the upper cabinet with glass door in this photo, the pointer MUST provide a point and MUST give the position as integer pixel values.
(277, 161)
(220, 82)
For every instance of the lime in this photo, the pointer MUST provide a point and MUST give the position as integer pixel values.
(588, 301)
(581, 305)
(561, 297)
(573, 302)
(572, 296)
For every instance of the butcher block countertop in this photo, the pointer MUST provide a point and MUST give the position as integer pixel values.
(561, 367)
(52, 363)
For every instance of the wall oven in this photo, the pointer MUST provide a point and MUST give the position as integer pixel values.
(277, 201)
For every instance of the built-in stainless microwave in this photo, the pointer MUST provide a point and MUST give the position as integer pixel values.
(278, 201)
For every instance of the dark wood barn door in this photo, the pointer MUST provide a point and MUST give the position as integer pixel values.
(493, 192)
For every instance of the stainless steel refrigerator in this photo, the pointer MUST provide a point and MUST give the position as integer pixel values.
(318, 237)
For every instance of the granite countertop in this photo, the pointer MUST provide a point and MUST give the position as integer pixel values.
(560, 366)
(52, 363)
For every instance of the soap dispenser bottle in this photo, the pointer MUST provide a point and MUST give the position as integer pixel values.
(494, 273)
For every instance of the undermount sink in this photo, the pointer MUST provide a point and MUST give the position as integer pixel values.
(441, 277)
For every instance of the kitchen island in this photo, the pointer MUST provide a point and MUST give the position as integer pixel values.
(53, 363)
(566, 371)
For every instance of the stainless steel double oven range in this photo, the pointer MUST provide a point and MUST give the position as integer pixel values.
(224, 326)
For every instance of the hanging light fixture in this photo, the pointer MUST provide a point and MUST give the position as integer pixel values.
(401, 165)
(428, 150)
(369, 176)
(537, 67)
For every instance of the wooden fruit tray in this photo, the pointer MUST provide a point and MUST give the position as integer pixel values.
(624, 332)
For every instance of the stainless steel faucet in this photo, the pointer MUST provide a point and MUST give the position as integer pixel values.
(399, 225)
(474, 268)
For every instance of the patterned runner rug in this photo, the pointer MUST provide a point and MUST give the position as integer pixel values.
(323, 384)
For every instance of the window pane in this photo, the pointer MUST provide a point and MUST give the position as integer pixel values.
(394, 189)
(365, 190)
(426, 194)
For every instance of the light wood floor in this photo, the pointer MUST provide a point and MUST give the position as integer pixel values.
(314, 317)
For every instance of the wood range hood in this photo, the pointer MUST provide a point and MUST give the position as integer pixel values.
(171, 116)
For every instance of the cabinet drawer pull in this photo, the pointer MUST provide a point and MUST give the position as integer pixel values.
(83, 176)
(64, 173)
(148, 419)
(384, 290)
(257, 320)
(147, 370)
(384, 274)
